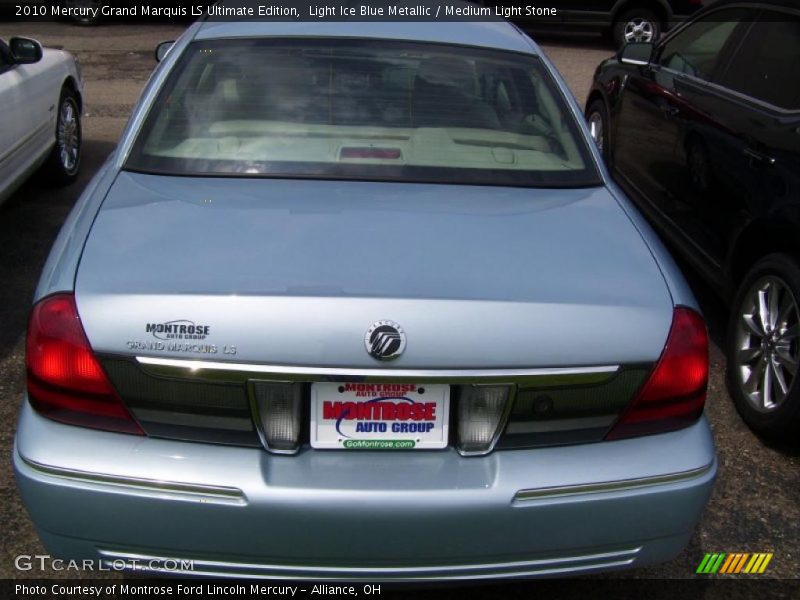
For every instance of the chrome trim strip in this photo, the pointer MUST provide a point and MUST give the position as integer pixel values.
(634, 61)
(450, 375)
(277, 574)
(610, 486)
(199, 491)
(565, 564)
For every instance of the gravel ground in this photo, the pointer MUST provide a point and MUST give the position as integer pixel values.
(754, 507)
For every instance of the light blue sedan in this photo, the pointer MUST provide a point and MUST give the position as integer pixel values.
(360, 301)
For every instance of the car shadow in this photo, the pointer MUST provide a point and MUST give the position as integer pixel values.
(29, 223)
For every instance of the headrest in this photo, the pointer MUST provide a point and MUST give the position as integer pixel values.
(448, 71)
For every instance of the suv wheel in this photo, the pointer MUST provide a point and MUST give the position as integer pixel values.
(597, 119)
(764, 347)
(637, 25)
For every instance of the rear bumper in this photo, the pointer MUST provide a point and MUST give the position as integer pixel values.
(363, 515)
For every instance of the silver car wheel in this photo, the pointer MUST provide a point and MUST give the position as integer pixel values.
(596, 129)
(68, 135)
(767, 347)
(639, 30)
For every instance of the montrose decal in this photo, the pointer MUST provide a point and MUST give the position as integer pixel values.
(179, 336)
(178, 330)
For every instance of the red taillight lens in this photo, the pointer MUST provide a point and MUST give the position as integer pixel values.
(65, 381)
(675, 393)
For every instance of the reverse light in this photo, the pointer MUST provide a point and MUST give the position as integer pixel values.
(482, 411)
(675, 393)
(276, 413)
(65, 381)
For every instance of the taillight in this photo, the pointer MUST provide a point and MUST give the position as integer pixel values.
(675, 393)
(65, 381)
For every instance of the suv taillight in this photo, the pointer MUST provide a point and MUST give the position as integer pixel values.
(675, 393)
(65, 381)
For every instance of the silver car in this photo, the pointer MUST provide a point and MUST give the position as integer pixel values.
(359, 301)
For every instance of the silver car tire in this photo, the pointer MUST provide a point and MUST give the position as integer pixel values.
(764, 347)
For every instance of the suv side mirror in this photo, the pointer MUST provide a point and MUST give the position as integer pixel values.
(25, 51)
(636, 53)
(162, 49)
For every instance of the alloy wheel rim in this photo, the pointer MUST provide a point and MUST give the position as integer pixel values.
(596, 129)
(68, 135)
(767, 351)
(639, 30)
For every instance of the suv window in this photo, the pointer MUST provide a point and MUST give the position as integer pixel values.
(697, 49)
(363, 109)
(766, 65)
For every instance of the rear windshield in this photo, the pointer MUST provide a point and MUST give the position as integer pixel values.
(362, 109)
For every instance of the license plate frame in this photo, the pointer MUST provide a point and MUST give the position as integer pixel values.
(385, 416)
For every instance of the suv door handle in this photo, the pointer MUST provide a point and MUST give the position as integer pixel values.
(759, 156)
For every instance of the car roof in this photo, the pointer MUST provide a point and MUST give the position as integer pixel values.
(499, 34)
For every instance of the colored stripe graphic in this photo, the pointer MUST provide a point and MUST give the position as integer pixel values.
(740, 563)
(703, 564)
(759, 563)
(729, 562)
(734, 563)
(711, 563)
(753, 561)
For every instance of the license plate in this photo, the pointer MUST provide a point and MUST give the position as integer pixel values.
(379, 416)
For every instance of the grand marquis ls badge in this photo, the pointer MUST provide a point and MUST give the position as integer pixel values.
(385, 340)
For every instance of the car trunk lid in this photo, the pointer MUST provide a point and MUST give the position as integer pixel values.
(295, 272)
